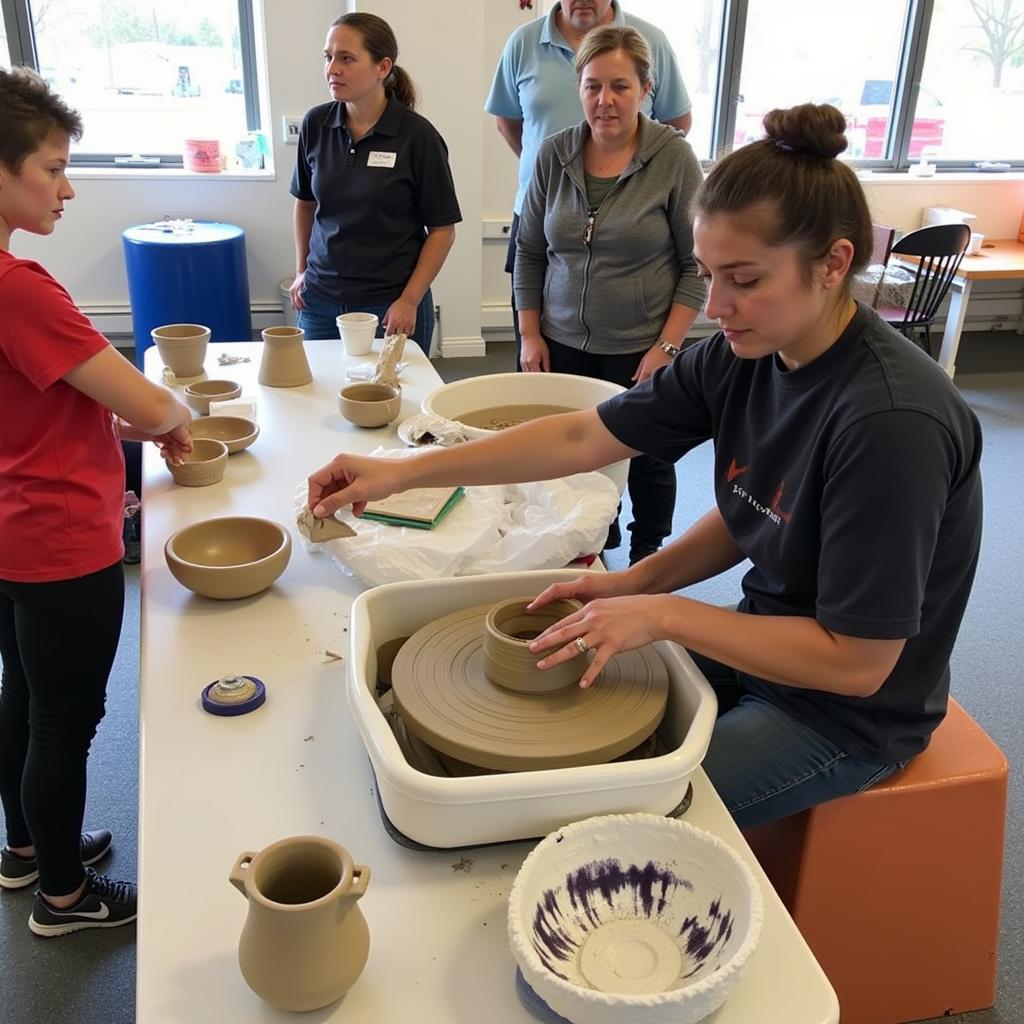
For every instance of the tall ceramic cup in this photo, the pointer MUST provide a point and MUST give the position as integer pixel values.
(283, 363)
(357, 331)
(305, 941)
(182, 347)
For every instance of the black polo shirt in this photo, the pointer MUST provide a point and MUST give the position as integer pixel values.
(375, 198)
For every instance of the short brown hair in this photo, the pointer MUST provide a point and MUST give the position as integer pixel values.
(810, 197)
(609, 38)
(29, 112)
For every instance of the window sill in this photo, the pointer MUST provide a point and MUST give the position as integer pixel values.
(164, 173)
(871, 177)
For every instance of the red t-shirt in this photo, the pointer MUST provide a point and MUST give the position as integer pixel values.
(61, 465)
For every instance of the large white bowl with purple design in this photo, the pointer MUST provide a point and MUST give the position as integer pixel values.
(633, 917)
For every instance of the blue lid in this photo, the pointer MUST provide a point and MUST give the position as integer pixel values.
(229, 707)
(199, 232)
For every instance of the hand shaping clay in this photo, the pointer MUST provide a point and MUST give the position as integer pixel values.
(319, 530)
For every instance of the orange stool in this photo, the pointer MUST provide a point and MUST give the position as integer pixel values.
(896, 889)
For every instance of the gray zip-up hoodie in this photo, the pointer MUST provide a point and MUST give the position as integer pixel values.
(604, 281)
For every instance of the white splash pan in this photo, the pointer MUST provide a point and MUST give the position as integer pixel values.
(567, 390)
(447, 812)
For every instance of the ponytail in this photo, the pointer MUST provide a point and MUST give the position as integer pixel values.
(400, 85)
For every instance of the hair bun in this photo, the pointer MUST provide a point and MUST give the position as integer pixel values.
(816, 130)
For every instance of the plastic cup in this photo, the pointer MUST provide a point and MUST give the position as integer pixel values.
(357, 331)
(974, 245)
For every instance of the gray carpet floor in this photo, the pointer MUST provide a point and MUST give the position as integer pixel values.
(90, 978)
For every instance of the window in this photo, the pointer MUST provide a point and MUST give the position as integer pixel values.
(694, 31)
(851, 64)
(940, 79)
(5, 52)
(145, 74)
(973, 80)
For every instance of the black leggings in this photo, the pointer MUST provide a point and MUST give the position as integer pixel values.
(57, 641)
(651, 482)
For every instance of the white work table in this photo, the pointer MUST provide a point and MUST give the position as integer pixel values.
(212, 787)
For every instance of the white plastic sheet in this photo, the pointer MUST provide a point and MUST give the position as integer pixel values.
(505, 528)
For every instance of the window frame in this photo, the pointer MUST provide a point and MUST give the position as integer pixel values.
(906, 86)
(17, 17)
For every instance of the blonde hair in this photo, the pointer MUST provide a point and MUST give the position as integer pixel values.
(609, 38)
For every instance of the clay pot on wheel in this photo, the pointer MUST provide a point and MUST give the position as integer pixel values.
(508, 661)
(305, 940)
(284, 363)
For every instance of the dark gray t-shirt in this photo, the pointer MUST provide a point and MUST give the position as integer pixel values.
(852, 485)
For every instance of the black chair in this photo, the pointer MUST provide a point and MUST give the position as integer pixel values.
(939, 250)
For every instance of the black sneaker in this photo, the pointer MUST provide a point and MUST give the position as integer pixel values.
(17, 872)
(104, 904)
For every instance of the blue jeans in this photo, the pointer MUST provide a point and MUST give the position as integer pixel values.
(765, 764)
(317, 319)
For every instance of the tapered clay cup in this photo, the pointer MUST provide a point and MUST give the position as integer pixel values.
(305, 940)
(508, 661)
(284, 363)
(182, 347)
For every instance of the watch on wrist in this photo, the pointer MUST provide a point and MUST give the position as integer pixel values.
(667, 346)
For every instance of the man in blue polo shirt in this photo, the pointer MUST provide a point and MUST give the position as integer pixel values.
(535, 92)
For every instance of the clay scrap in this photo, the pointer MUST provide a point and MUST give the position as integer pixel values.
(386, 371)
(320, 530)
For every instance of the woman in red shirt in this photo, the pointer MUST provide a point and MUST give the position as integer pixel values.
(69, 398)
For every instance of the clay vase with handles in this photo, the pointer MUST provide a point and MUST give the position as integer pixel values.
(284, 363)
(305, 940)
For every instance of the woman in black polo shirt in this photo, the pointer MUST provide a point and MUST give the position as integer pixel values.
(375, 204)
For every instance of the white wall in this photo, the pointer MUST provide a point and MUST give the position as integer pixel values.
(450, 47)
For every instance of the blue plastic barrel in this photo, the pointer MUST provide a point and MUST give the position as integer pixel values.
(193, 274)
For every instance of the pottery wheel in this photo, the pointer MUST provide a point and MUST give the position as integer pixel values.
(446, 699)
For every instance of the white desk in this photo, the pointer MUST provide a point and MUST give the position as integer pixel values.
(212, 787)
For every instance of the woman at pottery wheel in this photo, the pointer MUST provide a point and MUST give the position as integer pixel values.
(68, 397)
(605, 281)
(846, 471)
(375, 205)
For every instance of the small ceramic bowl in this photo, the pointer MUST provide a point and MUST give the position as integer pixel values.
(508, 661)
(235, 431)
(228, 558)
(633, 917)
(204, 465)
(369, 405)
(200, 394)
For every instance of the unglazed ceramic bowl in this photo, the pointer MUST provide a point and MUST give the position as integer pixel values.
(495, 390)
(204, 465)
(369, 405)
(508, 661)
(201, 393)
(633, 917)
(228, 558)
(235, 431)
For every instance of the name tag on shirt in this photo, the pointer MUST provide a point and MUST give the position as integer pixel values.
(376, 158)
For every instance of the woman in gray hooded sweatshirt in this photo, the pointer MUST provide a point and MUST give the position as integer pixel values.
(605, 280)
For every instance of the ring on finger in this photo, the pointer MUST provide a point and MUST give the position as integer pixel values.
(581, 645)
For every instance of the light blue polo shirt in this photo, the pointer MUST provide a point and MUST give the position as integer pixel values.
(535, 83)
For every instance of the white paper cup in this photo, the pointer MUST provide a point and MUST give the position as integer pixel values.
(357, 331)
(974, 245)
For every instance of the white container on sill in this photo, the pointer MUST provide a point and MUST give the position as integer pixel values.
(469, 811)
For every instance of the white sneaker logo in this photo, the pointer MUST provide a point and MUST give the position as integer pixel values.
(100, 915)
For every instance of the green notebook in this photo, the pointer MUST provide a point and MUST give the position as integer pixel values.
(422, 508)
